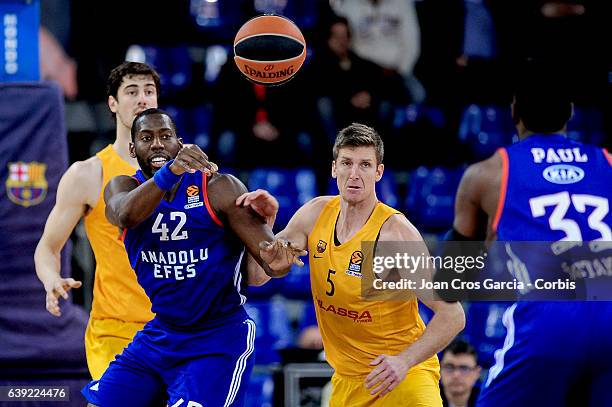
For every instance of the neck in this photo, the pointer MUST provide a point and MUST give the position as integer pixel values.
(354, 216)
(122, 144)
(458, 400)
(523, 132)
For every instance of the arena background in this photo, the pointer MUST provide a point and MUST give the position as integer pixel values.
(449, 109)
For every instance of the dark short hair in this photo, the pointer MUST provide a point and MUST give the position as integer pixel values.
(129, 69)
(542, 98)
(461, 347)
(136, 123)
(358, 135)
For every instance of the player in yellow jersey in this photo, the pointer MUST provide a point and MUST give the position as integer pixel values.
(120, 307)
(381, 351)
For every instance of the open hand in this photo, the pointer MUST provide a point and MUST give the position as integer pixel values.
(281, 254)
(59, 287)
(262, 202)
(388, 373)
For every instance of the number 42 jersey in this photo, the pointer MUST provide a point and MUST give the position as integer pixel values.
(186, 261)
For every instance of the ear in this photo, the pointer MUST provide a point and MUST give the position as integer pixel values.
(132, 150)
(180, 141)
(380, 168)
(112, 104)
(334, 175)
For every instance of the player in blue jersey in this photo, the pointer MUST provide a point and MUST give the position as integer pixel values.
(186, 238)
(545, 188)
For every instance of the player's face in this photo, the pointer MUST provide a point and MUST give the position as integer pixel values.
(155, 143)
(135, 94)
(356, 173)
(459, 373)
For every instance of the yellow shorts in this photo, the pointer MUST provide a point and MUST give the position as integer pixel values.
(420, 388)
(104, 339)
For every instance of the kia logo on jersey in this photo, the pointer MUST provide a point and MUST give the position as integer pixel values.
(563, 174)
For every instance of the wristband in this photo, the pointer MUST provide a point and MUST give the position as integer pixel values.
(164, 178)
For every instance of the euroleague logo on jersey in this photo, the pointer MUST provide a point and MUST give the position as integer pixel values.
(193, 197)
(354, 267)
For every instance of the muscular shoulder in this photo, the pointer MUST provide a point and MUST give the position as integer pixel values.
(311, 210)
(83, 181)
(480, 183)
(223, 189)
(399, 228)
(226, 184)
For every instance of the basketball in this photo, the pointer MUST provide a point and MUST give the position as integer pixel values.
(269, 49)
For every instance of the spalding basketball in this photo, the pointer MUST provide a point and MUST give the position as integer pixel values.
(269, 49)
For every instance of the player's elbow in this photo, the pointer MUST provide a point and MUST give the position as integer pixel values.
(123, 219)
(457, 315)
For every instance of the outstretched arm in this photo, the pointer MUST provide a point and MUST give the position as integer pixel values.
(251, 228)
(75, 193)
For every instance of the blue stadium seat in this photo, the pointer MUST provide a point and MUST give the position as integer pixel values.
(200, 123)
(219, 19)
(484, 329)
(486, 128)
(586, 125)
(293, 188)
(386, 189)
(296, 285)
(181, 119)
(156, 57)
(260, 390)
(273, 328)
(419, 113)
(180, 68)
(173, 64)
(431, 197)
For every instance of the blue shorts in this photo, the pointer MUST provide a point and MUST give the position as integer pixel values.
(205, 367)
(555, 354)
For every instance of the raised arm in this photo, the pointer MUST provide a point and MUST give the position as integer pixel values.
(128, 203)
(76, 193)
(447, 322)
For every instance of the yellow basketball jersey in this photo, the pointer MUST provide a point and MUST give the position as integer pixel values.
(117, 294)
(354, 330)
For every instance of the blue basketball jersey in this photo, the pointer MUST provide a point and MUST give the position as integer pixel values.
(556, 189)
(185, 260)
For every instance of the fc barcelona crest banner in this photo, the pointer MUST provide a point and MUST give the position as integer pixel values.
(26, 184)
(33, 157)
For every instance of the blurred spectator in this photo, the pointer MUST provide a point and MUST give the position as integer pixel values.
(55, 65)
(465, 51)
(309, 336)
(259, 125)
(459, 372)
(571, 33)
(348, 88)
(386, 32)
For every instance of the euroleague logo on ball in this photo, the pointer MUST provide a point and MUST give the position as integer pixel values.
(269, 49)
